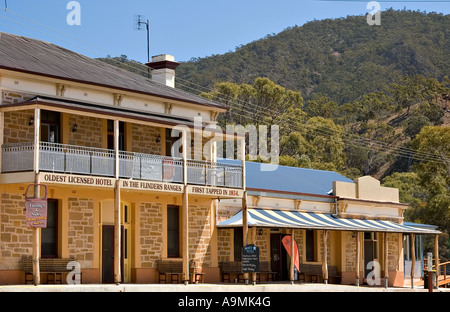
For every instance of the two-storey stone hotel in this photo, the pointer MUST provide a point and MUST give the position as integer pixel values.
(134, 188)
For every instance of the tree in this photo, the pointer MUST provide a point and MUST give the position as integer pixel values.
(263, 103)
(414, 124)
(414, 90)
(294, 144)
(410, 192)
(433, 171)
(226, 93)
(321, 106)
(325, 144)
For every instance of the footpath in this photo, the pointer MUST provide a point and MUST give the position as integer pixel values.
(220, 288)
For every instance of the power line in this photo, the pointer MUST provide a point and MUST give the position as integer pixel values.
(399, 151)
(318, 130)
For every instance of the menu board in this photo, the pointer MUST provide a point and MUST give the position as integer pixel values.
(250, 259)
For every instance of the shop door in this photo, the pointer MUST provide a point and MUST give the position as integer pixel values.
(370, 250)
(108, 255)
(278, 256)
(368, 255)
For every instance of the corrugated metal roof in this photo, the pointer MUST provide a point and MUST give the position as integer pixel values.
(105, 110)
(275, 178)
(47, 59)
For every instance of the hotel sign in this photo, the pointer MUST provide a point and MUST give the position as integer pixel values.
(36, 208)
(215, 191)
(151, 186)
(75, 180)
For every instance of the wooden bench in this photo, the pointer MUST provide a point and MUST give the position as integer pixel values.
(265, 268)
(53, 268)
(230, 268)
(333, 274)
(196, 276)
(315, 272)
(171, 268)
(304, 272)
(174, 270)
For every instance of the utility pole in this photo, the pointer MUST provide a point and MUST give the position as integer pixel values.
(139, 22)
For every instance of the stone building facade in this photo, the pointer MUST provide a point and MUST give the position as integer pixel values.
(98, 142)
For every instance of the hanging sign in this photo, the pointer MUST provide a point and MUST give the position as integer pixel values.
(36, 208)
(250, 259)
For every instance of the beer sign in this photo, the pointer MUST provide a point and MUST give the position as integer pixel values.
(36, 208)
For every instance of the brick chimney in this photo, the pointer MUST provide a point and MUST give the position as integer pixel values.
(163, 69)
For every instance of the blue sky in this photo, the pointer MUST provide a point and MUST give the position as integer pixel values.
(183, 28)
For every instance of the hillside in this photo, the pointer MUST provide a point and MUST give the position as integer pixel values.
(348, 97)
(340, 58)
(346, 61)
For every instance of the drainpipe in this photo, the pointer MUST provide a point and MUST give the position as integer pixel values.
(335, 214)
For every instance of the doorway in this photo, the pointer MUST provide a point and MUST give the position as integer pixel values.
(370, 250)
(279, 257)
(50, 126)
(106, 228)
(108, 255)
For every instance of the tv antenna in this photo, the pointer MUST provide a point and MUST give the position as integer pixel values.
(140, 20)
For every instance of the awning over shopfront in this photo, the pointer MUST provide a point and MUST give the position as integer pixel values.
(273, 218)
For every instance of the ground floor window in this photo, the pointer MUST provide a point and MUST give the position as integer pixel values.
(173, 231)
(237, 243)
(310, 246)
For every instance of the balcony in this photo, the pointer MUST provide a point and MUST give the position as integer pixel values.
(63, 158)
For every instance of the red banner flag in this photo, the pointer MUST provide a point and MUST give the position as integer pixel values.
(287, 244)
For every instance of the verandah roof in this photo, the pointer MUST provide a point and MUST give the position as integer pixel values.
(257, 217)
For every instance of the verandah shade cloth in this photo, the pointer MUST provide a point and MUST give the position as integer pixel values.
(257, 217)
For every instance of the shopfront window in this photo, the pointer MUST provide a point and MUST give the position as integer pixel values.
(238, 242)
(310, 246)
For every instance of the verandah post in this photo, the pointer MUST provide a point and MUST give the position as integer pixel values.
(117, 212)
(185, 216)
(291, 268)
(413, 257)
(386, 264)
(358, 255)
(244, 202)
(436, 255)
(36, 231)
(324, 257)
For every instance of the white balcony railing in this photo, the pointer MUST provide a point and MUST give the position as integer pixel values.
(63, 158)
